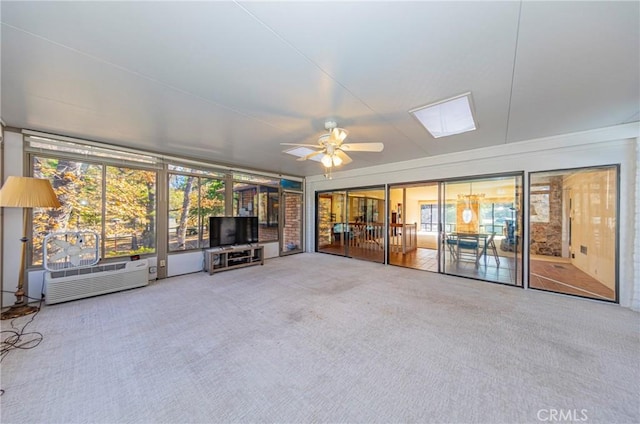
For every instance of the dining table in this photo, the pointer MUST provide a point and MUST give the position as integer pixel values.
(471, 246)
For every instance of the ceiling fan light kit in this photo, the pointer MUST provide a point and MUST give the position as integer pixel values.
(331, 160)
(331, 150)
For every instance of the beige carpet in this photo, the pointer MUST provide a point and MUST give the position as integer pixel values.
(319, 338)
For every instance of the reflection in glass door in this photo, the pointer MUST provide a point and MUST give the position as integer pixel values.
(481, 222)
(573, 218)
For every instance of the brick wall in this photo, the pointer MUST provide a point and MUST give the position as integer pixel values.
(246, 197)
(267, 233)
(292, 221)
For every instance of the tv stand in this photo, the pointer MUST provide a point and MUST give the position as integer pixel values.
(224, 258)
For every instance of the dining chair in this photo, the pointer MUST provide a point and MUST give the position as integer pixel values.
(468, 248)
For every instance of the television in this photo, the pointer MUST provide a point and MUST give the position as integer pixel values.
(232, 230)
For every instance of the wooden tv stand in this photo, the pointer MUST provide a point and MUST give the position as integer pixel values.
(225, 258)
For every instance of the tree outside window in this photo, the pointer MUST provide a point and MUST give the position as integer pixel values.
(192, 200)
(128, 198)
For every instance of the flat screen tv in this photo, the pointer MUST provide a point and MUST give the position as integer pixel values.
(232, 230)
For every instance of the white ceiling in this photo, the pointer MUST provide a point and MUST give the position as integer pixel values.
(230, 81)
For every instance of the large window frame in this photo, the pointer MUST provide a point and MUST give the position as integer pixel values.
(206, 198)
(266, 205)
(256, 195)
(95, 209)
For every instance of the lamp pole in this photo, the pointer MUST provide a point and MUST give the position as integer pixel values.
(20, 307)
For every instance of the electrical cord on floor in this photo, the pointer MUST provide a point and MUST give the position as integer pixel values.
(19, 338)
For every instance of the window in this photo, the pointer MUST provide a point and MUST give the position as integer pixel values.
(261, 201)
(494, 216)
(113, 191)
(130, 226)
(192, 200)
(117, 202)
(449, 217)
(291, 185)
(428, 217)
(268, 210)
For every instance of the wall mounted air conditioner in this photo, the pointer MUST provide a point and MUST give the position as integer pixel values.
(71, 257)
(78, 283)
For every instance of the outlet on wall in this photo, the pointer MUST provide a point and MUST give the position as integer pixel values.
(163, 263)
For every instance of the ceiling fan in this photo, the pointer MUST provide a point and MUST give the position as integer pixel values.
(331, 147)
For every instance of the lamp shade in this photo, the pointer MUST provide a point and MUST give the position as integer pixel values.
(28, 192)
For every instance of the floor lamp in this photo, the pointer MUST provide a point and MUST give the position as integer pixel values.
(25, 193)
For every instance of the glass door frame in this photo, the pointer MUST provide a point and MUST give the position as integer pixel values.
(397, 213)
(344, 219)
(337, 220)
(519, 218)
(616, 259)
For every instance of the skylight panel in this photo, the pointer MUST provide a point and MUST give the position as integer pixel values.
(304, 151)
(448, 117)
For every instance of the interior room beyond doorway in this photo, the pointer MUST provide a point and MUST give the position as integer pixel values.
(468, 228)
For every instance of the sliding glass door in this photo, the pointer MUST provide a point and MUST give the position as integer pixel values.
(573, 232)
(351, 223)
(481, 228)
(472, 227)
(468, 227)
(365, 213)
(331, 228)
(414, 217)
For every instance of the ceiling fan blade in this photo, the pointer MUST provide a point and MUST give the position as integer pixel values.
(338, 135)
(310, 155)
(362, 147)
(300, 144)
(342, 155)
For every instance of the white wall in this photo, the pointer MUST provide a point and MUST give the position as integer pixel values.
(605, 146)
(185, 263)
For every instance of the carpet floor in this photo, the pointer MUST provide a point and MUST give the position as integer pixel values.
(319, 338)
